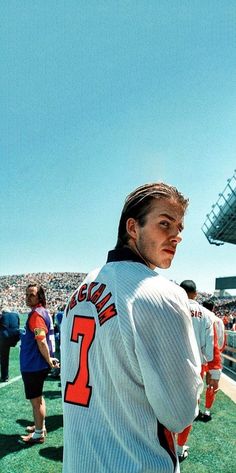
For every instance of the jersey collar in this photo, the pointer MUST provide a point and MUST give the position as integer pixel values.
(124, 254)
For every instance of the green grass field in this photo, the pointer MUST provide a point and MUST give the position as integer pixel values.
(212, 445)
(16, 414)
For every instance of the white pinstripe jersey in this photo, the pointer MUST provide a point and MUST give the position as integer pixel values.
(203, 329)
(130, 367)
(204, 333)
(220, 328)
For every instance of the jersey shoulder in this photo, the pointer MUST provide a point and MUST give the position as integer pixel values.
(158, 288)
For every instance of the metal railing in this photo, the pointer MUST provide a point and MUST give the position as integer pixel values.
(229, 353)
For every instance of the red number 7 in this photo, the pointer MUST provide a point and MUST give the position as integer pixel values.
(79, 391)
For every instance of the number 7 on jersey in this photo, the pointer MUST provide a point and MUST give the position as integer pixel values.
(79, 392)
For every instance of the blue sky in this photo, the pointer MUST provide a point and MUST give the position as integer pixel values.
(98, 97)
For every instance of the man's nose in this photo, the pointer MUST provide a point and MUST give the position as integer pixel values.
(177, 237)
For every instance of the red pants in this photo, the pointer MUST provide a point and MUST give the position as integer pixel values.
(183, 436)
(210, 393)
(210, 396)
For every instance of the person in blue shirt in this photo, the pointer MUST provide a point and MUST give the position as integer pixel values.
(9, 336)
(36, 359)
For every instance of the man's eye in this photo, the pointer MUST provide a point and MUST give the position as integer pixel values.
(165, 224)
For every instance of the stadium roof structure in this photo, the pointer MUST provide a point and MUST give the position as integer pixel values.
(220, 224)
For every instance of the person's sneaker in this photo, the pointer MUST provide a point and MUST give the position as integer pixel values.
(30, 440)
(199, 416)
(206, 417)
(182, 456)
(31, 429)
(182, 452)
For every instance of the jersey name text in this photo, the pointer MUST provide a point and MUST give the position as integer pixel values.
(96, 296)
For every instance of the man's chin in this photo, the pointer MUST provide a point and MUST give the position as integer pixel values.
(165, 264)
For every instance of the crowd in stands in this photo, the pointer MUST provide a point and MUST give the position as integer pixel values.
(225, 308)
(59, 286)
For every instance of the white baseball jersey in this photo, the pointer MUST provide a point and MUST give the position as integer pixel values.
(203, 329)
(130, 369)
(204, 332)
(220, 328)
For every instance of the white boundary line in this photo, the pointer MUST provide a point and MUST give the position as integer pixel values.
(223, 388)
(229, 380)
(228, 387)
(13, 380)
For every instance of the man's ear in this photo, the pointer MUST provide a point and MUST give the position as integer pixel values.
(131, 228)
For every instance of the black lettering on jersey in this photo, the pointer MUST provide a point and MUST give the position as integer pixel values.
(196, 313)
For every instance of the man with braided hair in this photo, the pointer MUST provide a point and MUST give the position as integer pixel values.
(127, 339)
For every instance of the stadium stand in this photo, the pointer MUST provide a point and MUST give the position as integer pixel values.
(58, 288)
(220, 228)
(220, 224)
(229, 354)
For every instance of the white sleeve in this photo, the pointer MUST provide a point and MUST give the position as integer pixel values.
(221, 333)
(207, 338)
(169, 360)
